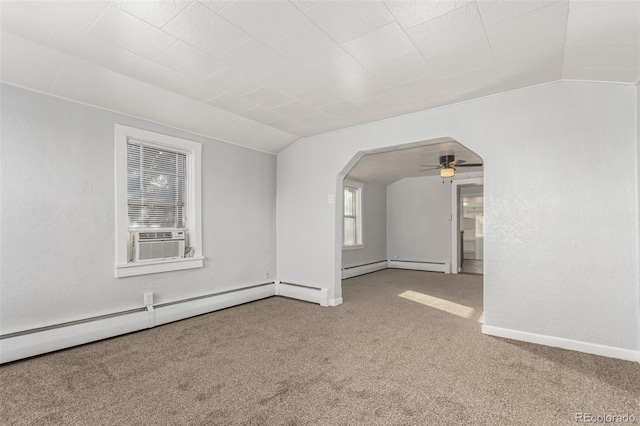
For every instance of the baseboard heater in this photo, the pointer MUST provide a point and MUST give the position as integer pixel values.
(303, 292)
(354, 271)
(24, 344)
(420, 266)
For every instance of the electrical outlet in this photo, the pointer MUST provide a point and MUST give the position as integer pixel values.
(148, 299)
(330, 199)
(267, 274)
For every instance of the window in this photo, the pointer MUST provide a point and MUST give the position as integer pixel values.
(352, 217)
(158, 213)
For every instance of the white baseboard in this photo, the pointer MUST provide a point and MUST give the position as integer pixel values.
(302, 292)
(335, 302)
(559, 342)
(198, 306)
(51, 339)
(364, 269)
(421, 266)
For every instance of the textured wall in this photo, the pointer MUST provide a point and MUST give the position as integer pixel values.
(418, 220)
(57, 189)
(374, 228)
(561, 249)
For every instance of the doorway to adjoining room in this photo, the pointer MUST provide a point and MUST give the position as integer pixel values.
(471, 220)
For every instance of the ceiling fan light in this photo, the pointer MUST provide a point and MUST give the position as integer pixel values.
(447, 172)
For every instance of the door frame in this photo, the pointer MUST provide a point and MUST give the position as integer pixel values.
(455, 217)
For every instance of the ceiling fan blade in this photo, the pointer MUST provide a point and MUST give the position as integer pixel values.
(470, 165)
(457, 162)
(430, 165)
(426, 170)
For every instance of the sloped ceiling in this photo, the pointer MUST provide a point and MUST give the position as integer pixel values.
(266, 73)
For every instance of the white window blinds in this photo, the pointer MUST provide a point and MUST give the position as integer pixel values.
(156, 186)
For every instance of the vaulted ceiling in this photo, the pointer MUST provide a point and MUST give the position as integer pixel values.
(266, 73)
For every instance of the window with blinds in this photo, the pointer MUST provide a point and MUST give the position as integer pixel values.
(156, 186)
(351, 217)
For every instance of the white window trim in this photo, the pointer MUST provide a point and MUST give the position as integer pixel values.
(124, 268)
(360, 244)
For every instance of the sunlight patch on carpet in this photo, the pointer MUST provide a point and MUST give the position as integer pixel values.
(440, 304)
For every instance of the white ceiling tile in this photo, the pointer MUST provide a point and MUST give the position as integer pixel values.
(317, 120)
(411, 13)
(215, 122)
(448, 32)
(232, 103)
(242, 130)
(271, 139)
(382, 103)
(531, 39)
(84, 82)
(28, 64)
(362, 89)
(268, 97)
(86, 46)
(292, 80)
(194, 89)
(319, 96)
(187, 59)
(258, 17)
(36, 19)
(469, 80)
(496, 11)
(345, 20)
(381, 45)
(147, 70)
(342, 109)
(261, 114)
(309, 47)
(156, 12)
(139, 99)
(404, 68)
(128, 32)
(257, 57)
(24, 20)
(296, 109)
(585, 24)
(418, 88)
(627, 75)
(287, 124)
(216, 5)
(543, 26)
(472, 56)
(203, 28)
(602, 55)
(180, 112)
(235, 80)
(304, 4)
(341, 71)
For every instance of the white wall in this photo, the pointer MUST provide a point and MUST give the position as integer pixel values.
(57, 191)
(419, 220)
(374, 228)
(552, 267)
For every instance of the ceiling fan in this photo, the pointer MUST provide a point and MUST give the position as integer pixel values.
(448, 165)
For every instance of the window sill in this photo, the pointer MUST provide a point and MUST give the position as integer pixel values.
(353, 247)
(153, 267)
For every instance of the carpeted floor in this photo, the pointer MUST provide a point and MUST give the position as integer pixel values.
(386, 356)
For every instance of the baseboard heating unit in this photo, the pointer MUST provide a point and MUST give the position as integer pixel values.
(27, 343)
(354, 271)
(420, 266)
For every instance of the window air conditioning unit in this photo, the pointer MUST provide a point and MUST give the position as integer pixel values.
(158, 245)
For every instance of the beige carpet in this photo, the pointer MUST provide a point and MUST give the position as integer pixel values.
(386, 356)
